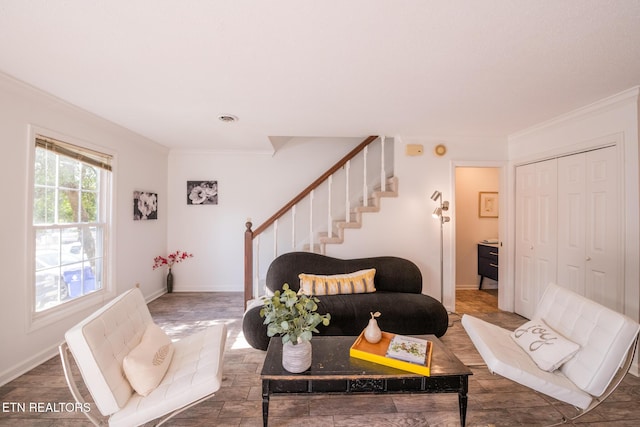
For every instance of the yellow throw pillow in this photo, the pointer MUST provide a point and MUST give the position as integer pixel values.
(358, 282)
(147, 363)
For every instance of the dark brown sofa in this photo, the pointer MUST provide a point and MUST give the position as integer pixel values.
(405, 310)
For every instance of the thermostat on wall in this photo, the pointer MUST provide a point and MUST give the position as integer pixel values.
(414, 150)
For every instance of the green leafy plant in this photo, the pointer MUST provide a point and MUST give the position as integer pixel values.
(292, 316)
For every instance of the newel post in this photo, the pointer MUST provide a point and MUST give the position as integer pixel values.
(248, 262)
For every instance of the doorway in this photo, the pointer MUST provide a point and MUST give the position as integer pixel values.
(476, 238)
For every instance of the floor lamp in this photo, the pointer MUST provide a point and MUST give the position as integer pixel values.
(443, 206)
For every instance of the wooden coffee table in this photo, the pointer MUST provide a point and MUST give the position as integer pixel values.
(334, 371)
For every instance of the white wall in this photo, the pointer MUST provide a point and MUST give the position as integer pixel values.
(250, 185)
(470, 228)
(256, 185)
(140, 164)
(404, 227)
(612, 119)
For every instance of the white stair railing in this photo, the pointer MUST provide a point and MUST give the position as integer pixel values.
(257, 261)
(321, 195)
(329, 216)
(365, 187)
(311, 234)
(293, 227)
(275, 239)
(383, 168)
(347, 199)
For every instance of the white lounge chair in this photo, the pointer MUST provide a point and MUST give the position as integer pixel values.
(99, 345)
(607, 341)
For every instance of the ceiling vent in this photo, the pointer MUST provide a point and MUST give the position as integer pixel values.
(227, 118)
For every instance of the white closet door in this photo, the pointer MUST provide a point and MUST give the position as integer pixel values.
(536, 233)
(602, 235)
(588, 226)
(525, 230)
(572, 222)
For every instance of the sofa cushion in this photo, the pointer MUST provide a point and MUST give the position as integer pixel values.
(147, 363)
(393, 274)
(548, 349)
(358, 282)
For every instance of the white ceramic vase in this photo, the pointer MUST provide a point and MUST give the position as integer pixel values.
(296, 358)
(372, 332)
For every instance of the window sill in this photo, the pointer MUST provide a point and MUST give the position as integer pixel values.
(39, 320)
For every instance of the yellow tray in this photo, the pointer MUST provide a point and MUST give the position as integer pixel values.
(363, 349)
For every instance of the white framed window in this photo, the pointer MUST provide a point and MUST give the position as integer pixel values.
(71, 222)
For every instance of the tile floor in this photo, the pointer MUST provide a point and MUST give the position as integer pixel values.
(493, 401)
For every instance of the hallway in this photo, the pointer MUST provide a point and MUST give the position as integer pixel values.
(476, 301)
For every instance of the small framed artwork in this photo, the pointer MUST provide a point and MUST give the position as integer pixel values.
(145, 205)
(202, 192)
(488, 204)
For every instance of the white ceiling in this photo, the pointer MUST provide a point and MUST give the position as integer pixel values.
(167, 68)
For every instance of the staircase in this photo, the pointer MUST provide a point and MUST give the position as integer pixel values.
(321, 213)
(355, 215)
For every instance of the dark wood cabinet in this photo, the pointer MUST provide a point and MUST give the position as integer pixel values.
(487, 262)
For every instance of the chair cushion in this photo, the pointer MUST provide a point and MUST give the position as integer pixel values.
(604, 336)
(548, 349)
(99, 344)
(147, 363)
(358, 282)
(504, 357)
(194, 373)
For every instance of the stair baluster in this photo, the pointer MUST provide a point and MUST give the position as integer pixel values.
(311, 242)
(248, 262)
(329, 217)
(347, 202)
(252, 273)
(275, 239)
(293, 227)
(365, 188)
(256, 282)
(383, 171)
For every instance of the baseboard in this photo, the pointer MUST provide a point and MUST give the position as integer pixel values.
(29, 364)
(229, 288)
(466, 287)
(155, 295)
(486, 284)
(15, 371)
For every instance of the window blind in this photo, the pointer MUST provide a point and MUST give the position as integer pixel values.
(94, 158)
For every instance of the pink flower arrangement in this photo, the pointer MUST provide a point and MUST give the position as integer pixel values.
(172, 258)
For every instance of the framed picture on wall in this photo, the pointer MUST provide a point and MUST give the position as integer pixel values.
(145, 205)
(488, 204)
(202, 192)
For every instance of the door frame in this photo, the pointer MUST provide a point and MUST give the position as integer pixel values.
(506, 294)
(613, 140)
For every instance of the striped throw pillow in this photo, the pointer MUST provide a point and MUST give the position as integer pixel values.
(358, 282)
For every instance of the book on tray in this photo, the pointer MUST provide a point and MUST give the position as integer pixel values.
(397, 351)
(409, 349)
